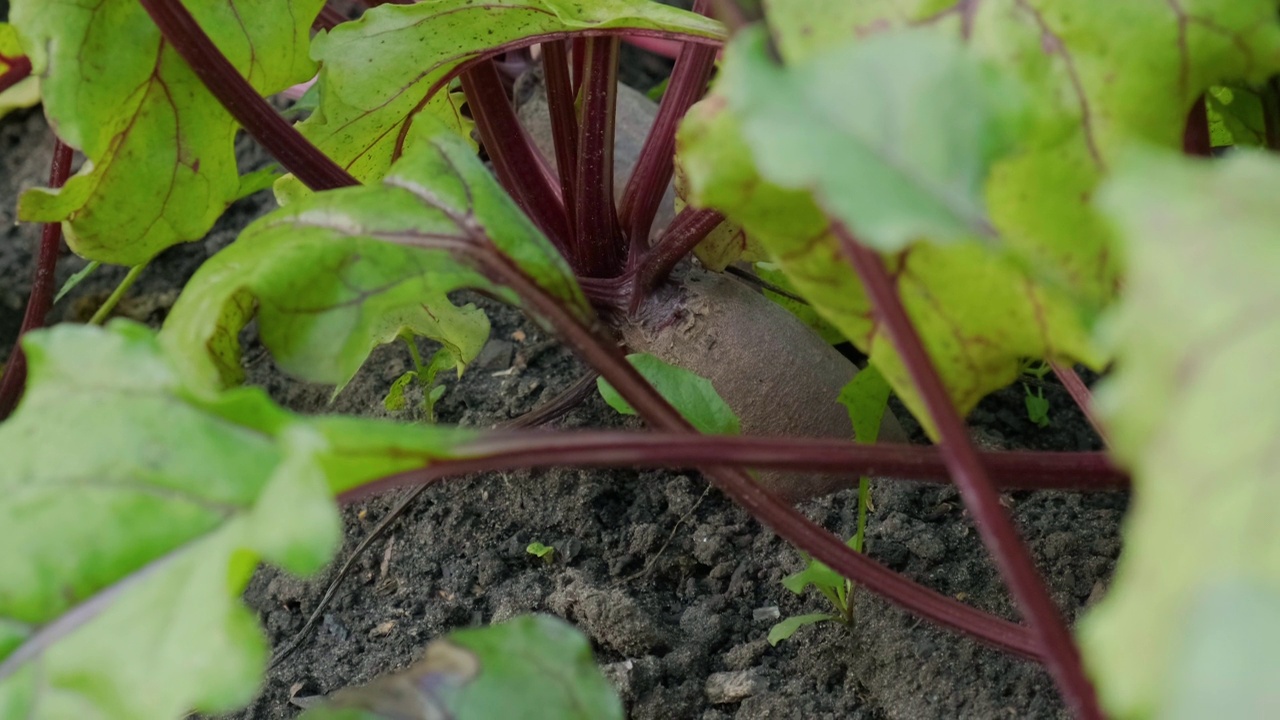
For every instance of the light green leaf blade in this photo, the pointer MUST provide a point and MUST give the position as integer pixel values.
(979, 312)
(687, 392)
(161, 165)
(334, 275)
(533, 667)
(785, 629)
(893, 135)
(1195, 340)
(1228, 662)
(24, 93)
(377, 72)
(125, 556)
(816, 574)
(162, 492)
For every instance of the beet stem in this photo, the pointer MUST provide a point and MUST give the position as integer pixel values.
(689, 228)
(1080, 394)
(520, 168)
(42, 282)
(598, 246)
(1017, 470)
(564, 124)
(315, 169)
(653, 170)
(976, 489)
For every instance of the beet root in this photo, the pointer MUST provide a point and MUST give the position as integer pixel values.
(777, 374)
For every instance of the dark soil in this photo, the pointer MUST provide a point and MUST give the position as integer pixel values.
(676, 587)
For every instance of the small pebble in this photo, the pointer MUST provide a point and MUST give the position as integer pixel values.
(766, 613)
(731, 687)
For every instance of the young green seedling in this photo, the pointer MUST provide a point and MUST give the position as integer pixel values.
(546, 553)
(1036, 403)
(865, 397)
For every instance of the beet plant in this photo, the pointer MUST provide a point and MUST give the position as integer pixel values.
(955, 188)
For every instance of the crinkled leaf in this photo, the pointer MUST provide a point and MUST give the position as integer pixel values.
(1193, 408)
(687, 392)
(25, 92)
(378, 71)
(161, 165)
(785, 629)
(893, 135)
(333, 275)
(136, 509)
(1237, 115)
(534, 667)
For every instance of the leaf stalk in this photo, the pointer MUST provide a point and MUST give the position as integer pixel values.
(1056, 646)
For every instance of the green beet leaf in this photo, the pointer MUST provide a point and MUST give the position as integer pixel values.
(1193, 409)
(978, 310)
(1036, 288)
(894, 136)
(1228, 660)
(377, 72)
(689, 393)
(788, 627)
(161, 164)
(533, 667)
(128, 534)
(336, 274)
(23, 93)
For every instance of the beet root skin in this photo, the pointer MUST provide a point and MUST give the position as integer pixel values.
(777, 374)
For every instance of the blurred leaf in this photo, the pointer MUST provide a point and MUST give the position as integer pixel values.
(1196, 338)
(394, 401)
(138, 506)
(893, 135)
(1037, 287)
(978, 311)
(24, 93)
(534, 667)
(1228, 661)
